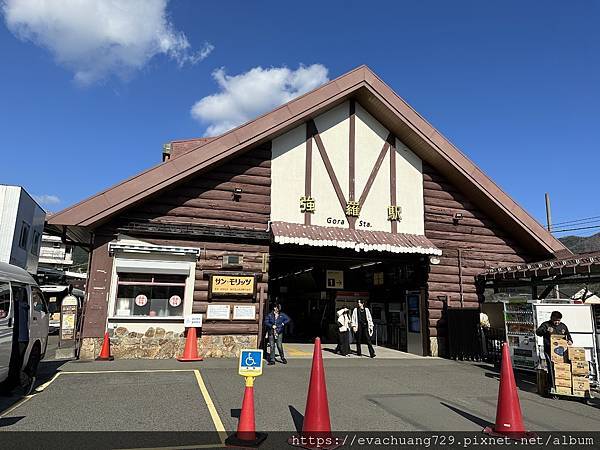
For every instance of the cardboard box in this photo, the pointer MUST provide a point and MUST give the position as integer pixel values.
(562, 382)
(563, 390)
(558, 348)
(581, 368)
(576, 354)
(581, 383)
(577, 393)
(562, 370)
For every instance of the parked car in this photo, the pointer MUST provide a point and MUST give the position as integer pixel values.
(54, 295)
(17, 285)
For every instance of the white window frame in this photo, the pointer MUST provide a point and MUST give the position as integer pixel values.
(154, 264)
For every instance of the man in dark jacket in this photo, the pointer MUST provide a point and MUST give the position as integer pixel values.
(546, 330)
(275, 323)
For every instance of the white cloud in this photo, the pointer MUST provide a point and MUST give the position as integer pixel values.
(249, 94)
(95, 38)
(47, 199)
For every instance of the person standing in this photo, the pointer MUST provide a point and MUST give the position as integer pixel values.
(275, 323)
(362, 324)
(547, 329)
(344, 322)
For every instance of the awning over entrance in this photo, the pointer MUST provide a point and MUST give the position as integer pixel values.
(319, 236)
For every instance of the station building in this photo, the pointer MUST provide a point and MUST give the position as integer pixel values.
(343, 193)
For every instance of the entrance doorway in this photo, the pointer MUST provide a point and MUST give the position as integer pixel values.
(312, 284)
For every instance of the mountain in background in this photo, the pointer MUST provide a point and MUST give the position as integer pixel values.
(581, 244)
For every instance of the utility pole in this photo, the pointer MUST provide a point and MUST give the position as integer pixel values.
(549, 226)
(548, 213)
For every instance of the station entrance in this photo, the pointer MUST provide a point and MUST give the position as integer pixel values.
(312, 284)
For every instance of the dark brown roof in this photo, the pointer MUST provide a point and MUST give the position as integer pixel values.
(380, 101)
(359, 240)
(583, 264)
(180, 147)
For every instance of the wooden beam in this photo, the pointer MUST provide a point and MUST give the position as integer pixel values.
(352, 160)
(374, 171)
(308, 169)
(394, 223)
(328, 166)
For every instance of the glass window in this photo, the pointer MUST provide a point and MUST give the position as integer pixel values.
(35, 244)
(4, 300)
(150, 295)
(39, 302)
(24, 235)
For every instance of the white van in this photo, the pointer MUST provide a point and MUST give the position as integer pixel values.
(16, 285)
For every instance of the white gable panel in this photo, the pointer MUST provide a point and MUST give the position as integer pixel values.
(370, 137)
(289, 164)
(373, 214)
(334, 129)
(328, 211)
(409, 190)
(287, 175)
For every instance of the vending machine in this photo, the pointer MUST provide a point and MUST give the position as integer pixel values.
(520, 333)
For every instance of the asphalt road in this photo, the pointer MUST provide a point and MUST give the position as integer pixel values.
(369, 395)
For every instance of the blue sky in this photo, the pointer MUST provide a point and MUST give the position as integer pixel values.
(514, 85)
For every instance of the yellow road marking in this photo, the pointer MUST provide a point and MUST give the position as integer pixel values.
(211, 407)
(41, 387)
(16, 405)
(294, 351)
(207, 399)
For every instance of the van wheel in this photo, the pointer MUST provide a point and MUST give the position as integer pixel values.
(29, 372)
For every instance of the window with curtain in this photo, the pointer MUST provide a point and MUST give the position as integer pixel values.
(149, 295)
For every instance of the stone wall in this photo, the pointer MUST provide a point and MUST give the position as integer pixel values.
(156, 343)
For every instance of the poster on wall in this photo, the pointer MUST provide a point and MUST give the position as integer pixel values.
(244, 312)
(335, 279)
(238, 285)
(218, 312)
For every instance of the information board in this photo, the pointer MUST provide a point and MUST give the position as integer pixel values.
(218, 312)
(244, 312)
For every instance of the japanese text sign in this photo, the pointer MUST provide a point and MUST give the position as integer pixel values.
(232, 284)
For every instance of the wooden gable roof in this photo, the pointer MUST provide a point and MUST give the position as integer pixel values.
(373, 95)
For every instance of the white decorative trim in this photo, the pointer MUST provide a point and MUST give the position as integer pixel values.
(148, 248)
(357, 246)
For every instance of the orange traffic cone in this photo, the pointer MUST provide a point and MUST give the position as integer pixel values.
(316, 428)
(246, 435)
(509, 420)
(105, 351)
(190, 352)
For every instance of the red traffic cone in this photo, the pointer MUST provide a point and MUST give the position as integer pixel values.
(509, 420)
(190, 352)
(246, 435)
(316, 428)
(105, 351)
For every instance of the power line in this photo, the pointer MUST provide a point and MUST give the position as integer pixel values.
(576, 220)
(575, 229)
(587, 222)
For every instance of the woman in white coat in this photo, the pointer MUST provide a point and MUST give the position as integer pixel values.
(362, 324)
(344, 322)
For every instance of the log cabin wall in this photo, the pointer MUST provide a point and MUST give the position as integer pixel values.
(480, 241)
(206, 199)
